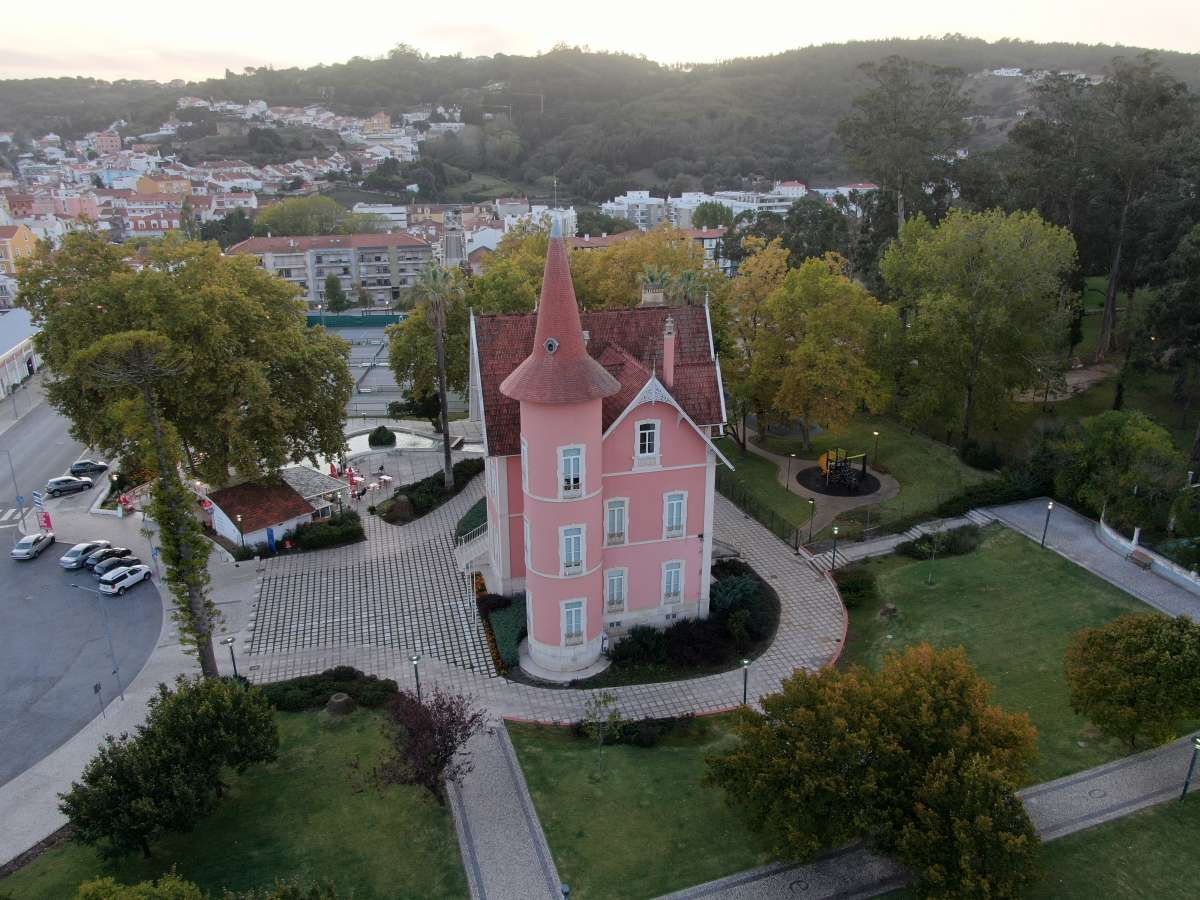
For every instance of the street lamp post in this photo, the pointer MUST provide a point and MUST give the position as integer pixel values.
(16, 492)
(1187, 782)
(1046, 527)
(228, 642)
(745, 680)
(875, 453)
(812, 514)
(417, 675)
(791, 458)
(112, 654)
(241, 534)
(833, 563)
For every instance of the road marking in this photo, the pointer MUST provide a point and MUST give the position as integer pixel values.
(8, 514)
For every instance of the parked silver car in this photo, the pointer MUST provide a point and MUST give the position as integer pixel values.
(32, 545)
(73, 558)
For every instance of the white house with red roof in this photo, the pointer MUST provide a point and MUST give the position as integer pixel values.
(600, 465)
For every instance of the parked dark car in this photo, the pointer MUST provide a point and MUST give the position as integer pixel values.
(103, 553)
(67, 484)
(105, 566)
(88, 467)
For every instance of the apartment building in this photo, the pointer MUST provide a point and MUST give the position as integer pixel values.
(382, 264)
(16, 241)
(637, 207)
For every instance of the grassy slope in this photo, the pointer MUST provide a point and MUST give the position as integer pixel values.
(759, 477)
(648, 826)
(1013, 606)
(301, 817)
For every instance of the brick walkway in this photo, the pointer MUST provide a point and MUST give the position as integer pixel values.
(375, 604)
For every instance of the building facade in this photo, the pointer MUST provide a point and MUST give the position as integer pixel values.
(600, 465)
(638, 207)
(382, 264)
(16, 241)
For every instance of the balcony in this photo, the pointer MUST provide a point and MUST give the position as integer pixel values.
(672, 596)
(614, 539)
(614, 604)
(572, 567)
(673, 531)
(573, 638)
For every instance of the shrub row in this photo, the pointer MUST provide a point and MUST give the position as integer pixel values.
(340, 528)
(954, 542)
(508, 626)
(856, 584)
(640, 732)
(314, 691)
(429, 493)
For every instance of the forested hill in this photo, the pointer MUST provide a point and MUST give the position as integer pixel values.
(600, 121)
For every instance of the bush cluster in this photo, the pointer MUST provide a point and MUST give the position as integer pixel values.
(314, 691)
(429, 493)
(856, 584)
(508, 627)
(977, 456)
(340, 528)
(382, 437)
(640, 732)
(472, 518)
(954, 542)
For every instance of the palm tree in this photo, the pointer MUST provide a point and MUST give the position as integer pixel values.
(686, 286)
(438, 286)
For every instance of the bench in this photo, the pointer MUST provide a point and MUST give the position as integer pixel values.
(1140, 558)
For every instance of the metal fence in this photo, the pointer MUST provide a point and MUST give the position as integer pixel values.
(779, 525)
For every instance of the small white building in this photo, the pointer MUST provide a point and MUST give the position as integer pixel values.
(638, 207)
(395, 213)
(18, 359)
(252, 513)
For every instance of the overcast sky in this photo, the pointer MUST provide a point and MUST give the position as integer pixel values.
(172, 39)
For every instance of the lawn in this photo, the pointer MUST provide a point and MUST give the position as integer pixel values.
(306, 816)
(1013, 606)
(1151, 853)
(643, 825)
(758, 477)
(929, 472)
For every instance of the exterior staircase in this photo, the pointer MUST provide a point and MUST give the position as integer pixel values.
(850, 552)
(471, 547)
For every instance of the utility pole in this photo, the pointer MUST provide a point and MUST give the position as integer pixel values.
(17, 493)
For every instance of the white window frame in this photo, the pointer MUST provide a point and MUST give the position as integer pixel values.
(575, 568)
(673, 597)
(525, 534)
(573, 638)
(670, 533)
(611, 603)
(565, 493)
(524, 466)
(623, 535)
(641, 459)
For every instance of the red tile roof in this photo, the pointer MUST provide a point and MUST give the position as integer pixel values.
(598, 242)
(260, 505)
(558, 368)
(7, 231)
(628, 343)
(325, 242)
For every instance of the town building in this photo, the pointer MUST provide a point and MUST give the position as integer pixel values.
(542, 216)
(258, 513)
(637, 207)
(107, 143)
(395, 213)
(600, 466)
(16, 241)
(383, 264)
(18, 358)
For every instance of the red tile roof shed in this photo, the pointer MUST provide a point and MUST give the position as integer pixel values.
(260, 505)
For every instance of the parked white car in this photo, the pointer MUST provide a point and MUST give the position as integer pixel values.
(120, 580)
(32, 545)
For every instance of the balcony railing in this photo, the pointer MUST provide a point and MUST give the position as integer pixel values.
(614, 604)
(614, 538)
(672, 596)
(573, 567)
(573, 638)
(674, 531)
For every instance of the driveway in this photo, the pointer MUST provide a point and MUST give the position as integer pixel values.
(53, 651)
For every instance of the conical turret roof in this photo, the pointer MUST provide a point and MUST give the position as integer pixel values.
(558, 370)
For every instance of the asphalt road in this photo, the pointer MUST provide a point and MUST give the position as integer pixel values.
(41, 448)
(53, 650)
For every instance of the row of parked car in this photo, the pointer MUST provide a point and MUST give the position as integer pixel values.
(116, 567)
(79, 479)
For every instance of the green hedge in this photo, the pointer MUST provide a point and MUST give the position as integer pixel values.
(382, 437)
(314, 691)
(474, 517)
(429, 493)
(341, 528)
(954, 542)
(856, 584)
(508, 627)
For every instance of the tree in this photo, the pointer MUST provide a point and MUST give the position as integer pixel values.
(1120, 464)
(189, 225)
(905, 124)
(988, 294)
(427, 741)
(439, 288)
(820, 345)
(601, 719)
(813, 228)
(758, 276)
(195, 356)
(169, 887)
(1175, 322)
(336, 300)
(593, 223)
(837, 755)
(1137, 676)
(314, 215)
(610, 278)
(711, 214)
(232, 229)
(363, 298)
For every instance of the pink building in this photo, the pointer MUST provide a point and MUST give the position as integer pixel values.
(600, 465)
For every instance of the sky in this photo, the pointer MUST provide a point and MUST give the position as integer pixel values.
(166, 40)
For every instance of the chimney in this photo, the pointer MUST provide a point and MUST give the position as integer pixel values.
(669, 352)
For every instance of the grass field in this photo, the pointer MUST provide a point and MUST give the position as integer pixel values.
(1014, 607)
(644, 824)
(759, 478)
(306, 816)
(929, 472)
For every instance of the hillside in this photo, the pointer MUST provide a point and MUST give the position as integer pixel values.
(600, 122)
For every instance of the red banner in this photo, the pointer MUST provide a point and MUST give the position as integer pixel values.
(44, 520)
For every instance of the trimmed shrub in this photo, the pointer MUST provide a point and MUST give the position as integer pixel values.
(856, 585)
(731, 593)
(340, 528)
(642, 646)
(692, 643)
(314, 691)
(954, 542)
(729, 567)
(640, 732)
(429, 493)
(508, 626)
(382, 437)
(472, 519)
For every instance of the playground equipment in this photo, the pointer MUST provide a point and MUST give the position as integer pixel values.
(838, 467)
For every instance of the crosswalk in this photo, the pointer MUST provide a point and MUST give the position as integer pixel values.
(10, 517)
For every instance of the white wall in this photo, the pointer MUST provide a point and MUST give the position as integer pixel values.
(225, 527)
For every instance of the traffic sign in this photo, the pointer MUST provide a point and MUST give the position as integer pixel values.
(20, 499)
